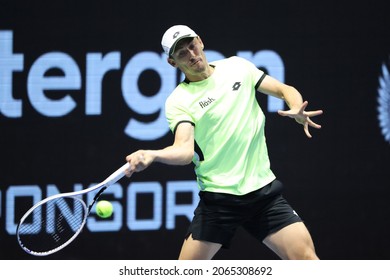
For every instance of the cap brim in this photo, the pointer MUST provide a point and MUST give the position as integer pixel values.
(172, 49)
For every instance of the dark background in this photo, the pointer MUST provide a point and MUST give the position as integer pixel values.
(332, 51)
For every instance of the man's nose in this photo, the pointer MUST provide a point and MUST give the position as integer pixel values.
(191, 52)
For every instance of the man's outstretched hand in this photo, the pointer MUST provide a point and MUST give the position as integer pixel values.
(303, 117)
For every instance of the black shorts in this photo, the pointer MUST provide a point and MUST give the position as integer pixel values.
(261, 213)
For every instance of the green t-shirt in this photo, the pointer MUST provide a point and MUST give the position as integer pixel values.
(231, 154)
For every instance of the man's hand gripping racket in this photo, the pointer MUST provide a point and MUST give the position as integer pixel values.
(54, 222)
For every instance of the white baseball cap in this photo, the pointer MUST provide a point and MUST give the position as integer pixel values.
(173, 35)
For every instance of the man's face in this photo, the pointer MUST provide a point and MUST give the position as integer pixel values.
(189, 56)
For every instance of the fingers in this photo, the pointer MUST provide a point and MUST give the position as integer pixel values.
(313, 113)
(137, 162)
(303, 107)
(308, 123)
(293, 113)
(306, 129)
(283, 113)
(128, 173)
(313, 124)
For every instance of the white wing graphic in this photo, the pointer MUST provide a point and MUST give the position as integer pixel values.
(384, 103)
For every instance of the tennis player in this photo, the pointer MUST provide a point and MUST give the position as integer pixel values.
(219, 126)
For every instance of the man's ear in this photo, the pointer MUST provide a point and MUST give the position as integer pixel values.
(171, 61)
(201, 42)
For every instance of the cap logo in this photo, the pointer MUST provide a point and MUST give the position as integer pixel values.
(176, 34)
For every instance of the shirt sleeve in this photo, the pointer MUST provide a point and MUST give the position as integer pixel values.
(175, 113)
(256, 75)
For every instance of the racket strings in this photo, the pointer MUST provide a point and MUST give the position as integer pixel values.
(52, 224)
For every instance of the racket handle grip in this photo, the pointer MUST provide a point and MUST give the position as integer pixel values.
(117, 175)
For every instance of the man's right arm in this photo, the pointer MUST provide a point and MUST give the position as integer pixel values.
(180, 152)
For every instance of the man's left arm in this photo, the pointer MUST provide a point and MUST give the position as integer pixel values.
(294, 101)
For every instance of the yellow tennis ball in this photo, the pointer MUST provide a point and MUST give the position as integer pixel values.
(104, 209)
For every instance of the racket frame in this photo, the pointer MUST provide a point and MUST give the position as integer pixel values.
(113, 178)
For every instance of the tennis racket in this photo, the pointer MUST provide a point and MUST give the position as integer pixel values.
(54, 222)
